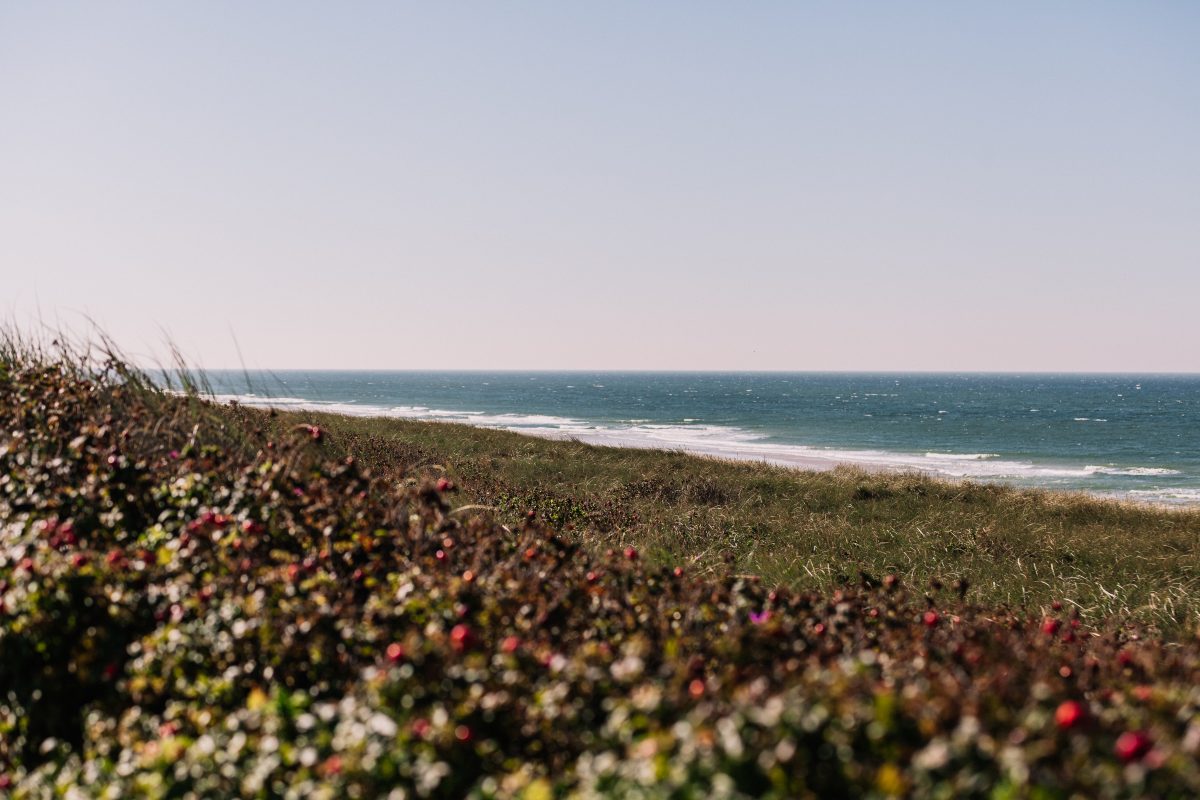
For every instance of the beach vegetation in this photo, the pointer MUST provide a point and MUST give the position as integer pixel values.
(205, 601)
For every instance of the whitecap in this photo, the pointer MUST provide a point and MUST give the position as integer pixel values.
(963, 456)
(1113, 470)
(1177, 496)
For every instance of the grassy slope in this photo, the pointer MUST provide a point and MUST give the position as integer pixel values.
(815, 529)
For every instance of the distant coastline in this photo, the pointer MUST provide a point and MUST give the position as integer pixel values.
(732, 443)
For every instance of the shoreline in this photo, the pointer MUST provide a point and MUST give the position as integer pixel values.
(947, 467)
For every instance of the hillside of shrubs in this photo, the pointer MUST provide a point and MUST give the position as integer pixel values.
(1103, 558)
(195, 605)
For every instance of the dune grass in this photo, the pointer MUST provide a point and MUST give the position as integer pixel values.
(812, 529)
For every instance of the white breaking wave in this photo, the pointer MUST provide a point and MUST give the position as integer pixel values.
(479, 418)
(963, 456)
(1177, 496)
(1111, 470)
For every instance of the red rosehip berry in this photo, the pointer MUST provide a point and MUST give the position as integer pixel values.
(931, 618)
(1050, 626)
(445, 485)
(395, 652)
(631, 553)
(1069, 714)
(461, 638)
(1132, 745)
(510, 644)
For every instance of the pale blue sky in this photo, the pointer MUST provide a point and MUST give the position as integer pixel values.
(1005, 186)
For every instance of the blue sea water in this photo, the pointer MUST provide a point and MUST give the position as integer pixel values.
(1133, 436)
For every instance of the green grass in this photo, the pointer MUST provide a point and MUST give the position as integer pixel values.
(812, 529)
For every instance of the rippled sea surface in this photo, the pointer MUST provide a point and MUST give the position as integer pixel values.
(1137, 436)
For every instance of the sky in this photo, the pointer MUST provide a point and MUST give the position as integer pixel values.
(770, 186)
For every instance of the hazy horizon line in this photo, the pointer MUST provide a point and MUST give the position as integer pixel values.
(645, 371)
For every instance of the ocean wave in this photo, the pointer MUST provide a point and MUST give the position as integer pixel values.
(1177, 496)
(1132, 471)
(480, 418)
(963, 456)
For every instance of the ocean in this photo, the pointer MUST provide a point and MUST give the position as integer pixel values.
(1132, 436)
